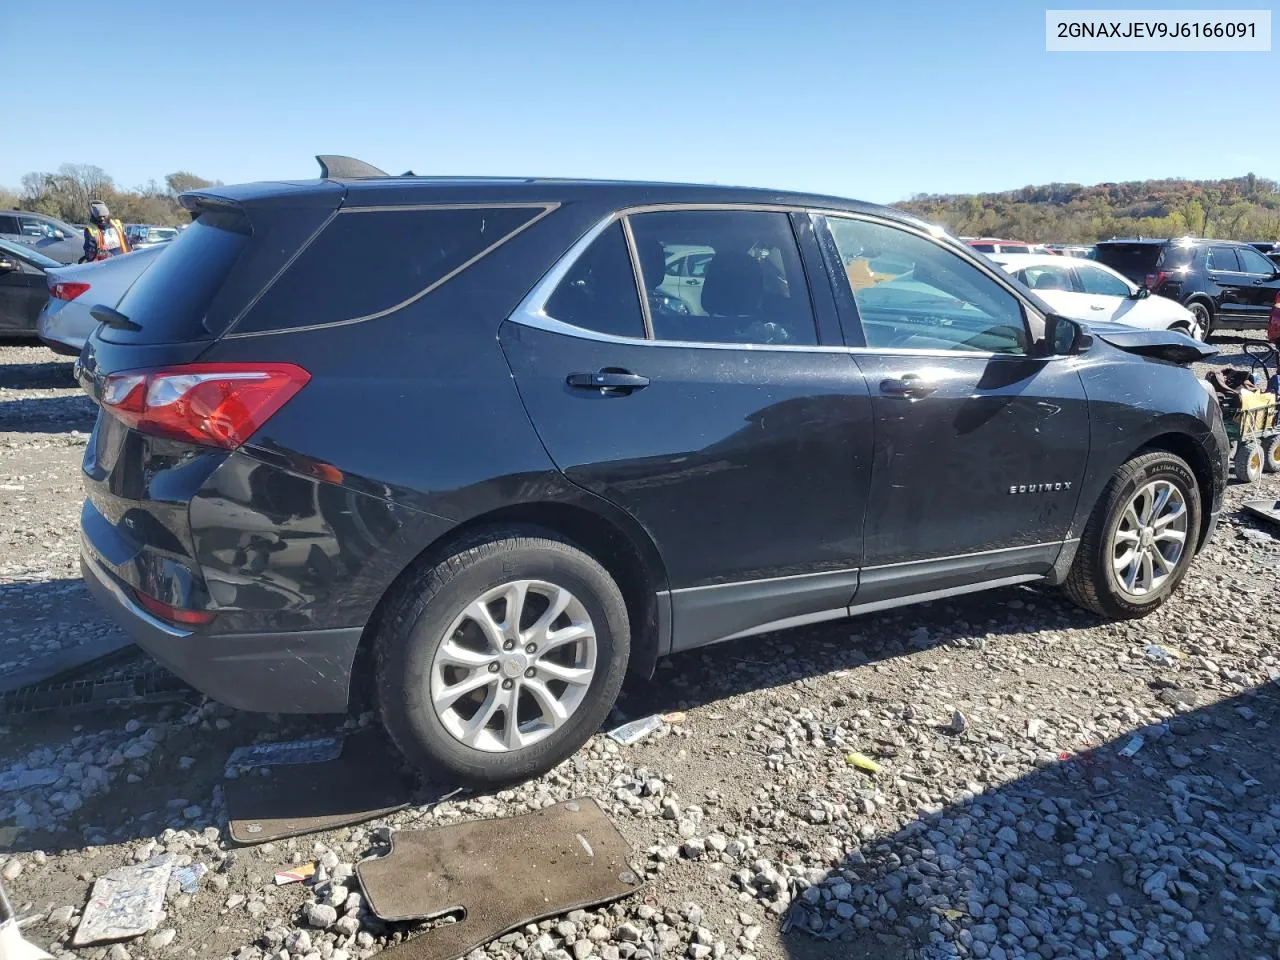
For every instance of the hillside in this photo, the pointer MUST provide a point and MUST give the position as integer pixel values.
(1243, 208)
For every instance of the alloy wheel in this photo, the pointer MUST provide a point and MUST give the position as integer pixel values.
(1150, 539)
(514, 666)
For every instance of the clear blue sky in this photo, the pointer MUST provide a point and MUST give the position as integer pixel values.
(876, 100)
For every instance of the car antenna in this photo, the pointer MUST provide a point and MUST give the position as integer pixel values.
(334, 166)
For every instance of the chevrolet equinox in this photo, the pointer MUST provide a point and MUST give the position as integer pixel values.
(468, 449)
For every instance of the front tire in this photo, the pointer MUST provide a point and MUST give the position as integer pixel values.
(1140, 539)
(501, 660)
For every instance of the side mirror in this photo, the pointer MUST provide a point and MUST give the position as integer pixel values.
(1064, 337)
(7, 266)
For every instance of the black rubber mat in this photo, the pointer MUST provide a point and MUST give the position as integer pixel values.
(1264, 509)
(366, 781)
(501, 874)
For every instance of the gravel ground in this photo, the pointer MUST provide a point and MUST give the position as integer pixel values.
(1007, 819)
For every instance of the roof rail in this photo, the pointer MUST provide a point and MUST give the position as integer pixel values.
(337, 167)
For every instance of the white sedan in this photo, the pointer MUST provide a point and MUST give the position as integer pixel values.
(1084, 290)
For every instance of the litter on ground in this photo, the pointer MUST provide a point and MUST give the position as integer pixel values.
(126, 902)
(635, 731)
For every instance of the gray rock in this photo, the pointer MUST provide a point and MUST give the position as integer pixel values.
(321, 915)
(159, 941)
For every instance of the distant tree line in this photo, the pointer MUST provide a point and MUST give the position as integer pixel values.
(1242, 208)
(67, 193)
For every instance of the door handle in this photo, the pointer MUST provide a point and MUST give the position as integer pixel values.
(1214, 280)
(608, 381)
(909, 385)
(693, 281)
(1094, 306)
(1260, 281)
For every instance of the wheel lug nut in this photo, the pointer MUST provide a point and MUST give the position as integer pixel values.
(509, 645)
(507, 684)
(531, 648)
(493, 668)
(530, 672)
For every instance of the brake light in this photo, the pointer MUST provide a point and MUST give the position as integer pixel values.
(1273, 322)
(213, 404)
(65, 290)
(164, 611)
(1155, 279)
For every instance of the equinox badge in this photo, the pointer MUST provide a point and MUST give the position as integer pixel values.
(1040, 487)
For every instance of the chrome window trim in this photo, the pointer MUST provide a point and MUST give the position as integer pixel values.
(531, 311)
(545, 207)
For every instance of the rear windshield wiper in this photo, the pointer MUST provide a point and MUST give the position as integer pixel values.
(113, 318)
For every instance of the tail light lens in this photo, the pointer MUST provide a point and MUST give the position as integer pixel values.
(1273, 322)
(64, 290)
(1155, 279)
(157, 608)
(213, 404)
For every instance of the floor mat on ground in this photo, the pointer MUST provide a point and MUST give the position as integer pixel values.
(501, 874)
(1264, 509)
(364, 782)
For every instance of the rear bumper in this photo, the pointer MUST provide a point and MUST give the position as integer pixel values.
(292, 672)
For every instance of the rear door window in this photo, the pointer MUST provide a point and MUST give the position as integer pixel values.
(367, 262)
(746, 284)
(1223, 258)
(1048, 276)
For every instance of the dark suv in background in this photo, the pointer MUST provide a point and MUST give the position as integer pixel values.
(451, 443)
(1225, 283)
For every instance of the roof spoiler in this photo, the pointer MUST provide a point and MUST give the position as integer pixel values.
(337, 167)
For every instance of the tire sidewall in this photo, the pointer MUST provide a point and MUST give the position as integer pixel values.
(409, 711)
(1167, 468)
(1204, 317)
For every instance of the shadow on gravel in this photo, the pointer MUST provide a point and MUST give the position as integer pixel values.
(51, 375)
(47, 414)
(772, 660)
(1172, 851)
(1231, 350)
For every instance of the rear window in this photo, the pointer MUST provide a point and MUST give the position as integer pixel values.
(1134, 260)
(171, 298)
(367, 262)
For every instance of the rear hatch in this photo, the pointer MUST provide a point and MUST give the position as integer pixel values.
(1135, 260)
(166, 422)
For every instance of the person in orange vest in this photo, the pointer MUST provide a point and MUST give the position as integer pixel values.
(103, 237)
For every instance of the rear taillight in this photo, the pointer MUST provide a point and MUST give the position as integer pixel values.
(1155, 279)
(214, 404)
(1273, 322)
(64, 290)
(188, 618)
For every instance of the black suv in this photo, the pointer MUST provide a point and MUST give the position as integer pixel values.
(474, 449)
(1225, 283)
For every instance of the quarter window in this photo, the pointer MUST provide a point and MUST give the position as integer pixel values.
(8, 225)
(742, 282)
(369, 261)
(1223, 258)
(1097, 281)
(912, 293)
(1254, 262)
(599, 291)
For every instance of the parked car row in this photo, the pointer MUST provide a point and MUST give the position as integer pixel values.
(1225, 284)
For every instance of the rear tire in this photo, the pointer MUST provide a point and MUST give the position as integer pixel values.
(1204, 317)
(443, 633)
(1271, 454)
(1248, 461)
(1151, 504)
